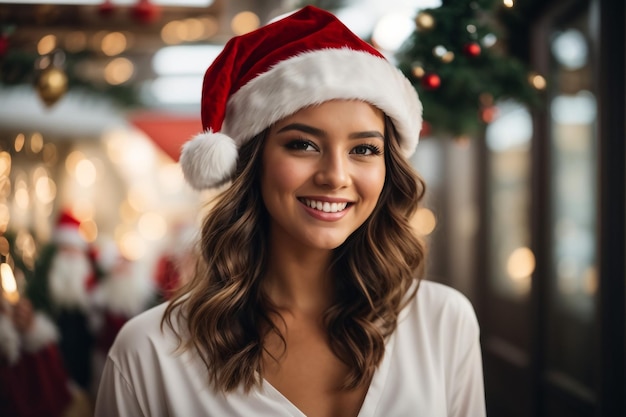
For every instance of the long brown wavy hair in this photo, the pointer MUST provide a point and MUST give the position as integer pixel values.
(226, 312)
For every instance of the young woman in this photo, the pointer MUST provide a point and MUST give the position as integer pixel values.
(307, 298)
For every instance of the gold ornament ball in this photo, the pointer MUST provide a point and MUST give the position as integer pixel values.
(418, 71)
(425, 21)
(51, 85)
(447, 57)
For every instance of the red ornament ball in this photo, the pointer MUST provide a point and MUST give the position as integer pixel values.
(471, 49)
(145, 12)
(431, 81)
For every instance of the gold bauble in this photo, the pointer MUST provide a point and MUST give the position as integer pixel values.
(418, 71)
(424, 21)
(447, 57)
(51, 85)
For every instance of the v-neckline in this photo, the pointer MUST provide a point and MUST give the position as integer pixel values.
(372, 397)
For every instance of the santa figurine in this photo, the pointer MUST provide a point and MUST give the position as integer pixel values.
(61, 286)
(33, 379)
(122, 293)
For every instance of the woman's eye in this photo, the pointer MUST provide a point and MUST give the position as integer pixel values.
(301, 145)
(366, 150)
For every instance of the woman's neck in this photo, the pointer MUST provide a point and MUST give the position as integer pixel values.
(299, 281)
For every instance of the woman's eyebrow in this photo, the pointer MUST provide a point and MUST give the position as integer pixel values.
(321, 133)
(304, 128)
(367, 134)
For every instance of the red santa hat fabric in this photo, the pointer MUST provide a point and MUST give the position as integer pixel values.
(67, 231)
(304, 59)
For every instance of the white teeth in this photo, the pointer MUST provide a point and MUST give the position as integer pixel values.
(326, 207)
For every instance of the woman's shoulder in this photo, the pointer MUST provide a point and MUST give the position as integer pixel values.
(144, 333)
(440, 304)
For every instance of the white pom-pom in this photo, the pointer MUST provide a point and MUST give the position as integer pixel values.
(208, 159)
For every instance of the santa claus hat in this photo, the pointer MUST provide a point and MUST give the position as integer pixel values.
(67, 231)
(307, 58)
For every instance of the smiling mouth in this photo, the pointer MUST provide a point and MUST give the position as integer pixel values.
(324, 206)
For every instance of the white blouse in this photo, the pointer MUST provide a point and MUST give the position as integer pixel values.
(432, 367)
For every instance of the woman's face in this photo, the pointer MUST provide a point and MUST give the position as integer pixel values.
(323, 171)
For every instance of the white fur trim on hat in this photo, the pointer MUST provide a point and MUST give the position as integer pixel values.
(42, 333)
(208, 160)
(70, 236)
(322, 75)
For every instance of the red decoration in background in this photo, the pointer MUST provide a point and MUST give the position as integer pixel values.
(145, 12)
(426, 129)
(431, 81)
(106, 9)
(488, 114)
(168, 131)
(471, 49)
(4, 45)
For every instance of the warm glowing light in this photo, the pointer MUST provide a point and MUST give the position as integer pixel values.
(132, 246)
(118, 71)
(171, 177)
(537, 81)
(46, 44)
(173, 32)
(115, 140)
(152, 226)
(244, 22)
(5, 216)
(418, 72)
(45, 190)
(19, 142)
(113, 43)
(22, 199)
(36, 142)
(137, 199)
(5, 164)
(83, 209)
(72, 160)
(89, 230)
(508, 3)
(210, 26)
(85, 173)
(521, 263)
(195, 29)
(424, 222)
(9, 285)
(26, 244)
(127, 212)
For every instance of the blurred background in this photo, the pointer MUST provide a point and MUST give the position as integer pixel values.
(522, 151)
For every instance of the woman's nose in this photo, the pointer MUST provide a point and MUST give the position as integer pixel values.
(333, 171)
